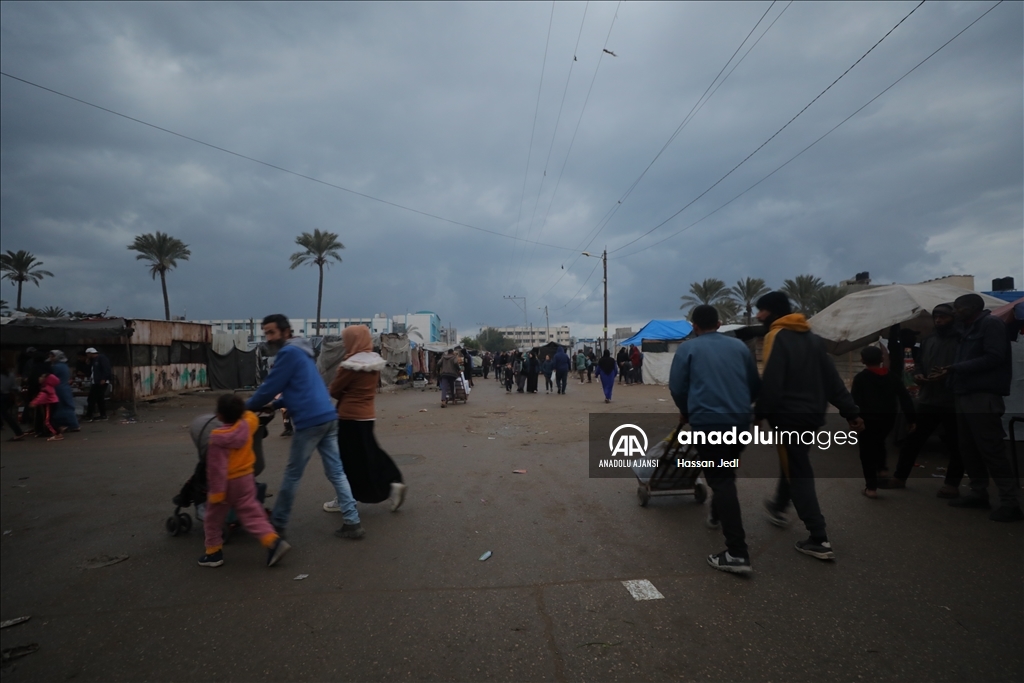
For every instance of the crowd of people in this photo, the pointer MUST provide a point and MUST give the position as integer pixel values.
(43, 386)
(964, 374)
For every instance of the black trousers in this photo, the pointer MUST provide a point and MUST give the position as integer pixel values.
(930, 418)
(979, 420)
(97, 401)
(871, 443)
(796, 485)
(548, 384)
(725, 504)
(561, 378)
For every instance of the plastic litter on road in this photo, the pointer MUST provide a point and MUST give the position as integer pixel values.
(485, 556)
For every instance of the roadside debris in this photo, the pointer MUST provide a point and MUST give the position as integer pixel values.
(518, 471)
(300, 577)
(102, 561)
(20, 651)
(485, 556)
(14, 622)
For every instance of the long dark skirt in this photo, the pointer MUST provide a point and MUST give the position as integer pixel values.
(369, 469)
(531, 382)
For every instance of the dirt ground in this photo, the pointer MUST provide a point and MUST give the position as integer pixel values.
(919, 591)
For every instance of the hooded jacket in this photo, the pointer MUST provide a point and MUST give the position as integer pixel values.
(47, 392)
(938, 350)
(561, 361)
(449, 365)
(799, 378)
(229, 455)
(295, 377)
(355, 384)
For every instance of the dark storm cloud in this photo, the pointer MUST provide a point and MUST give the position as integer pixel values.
(432, 106)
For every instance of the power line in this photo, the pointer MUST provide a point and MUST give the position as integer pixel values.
(761, 146)
(829, 132)
(533, 131)
(276, 167)
(569, 301)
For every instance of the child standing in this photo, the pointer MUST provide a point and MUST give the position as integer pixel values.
(46, 399)
(877, 393)
(230, 460)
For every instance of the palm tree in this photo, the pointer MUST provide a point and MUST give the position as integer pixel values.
(828, 295)
(5, 308)
(802, 291)
(746, 292)
(163, 252)
(711, 291)
(21, 267)
(319, 247)
(52, 312)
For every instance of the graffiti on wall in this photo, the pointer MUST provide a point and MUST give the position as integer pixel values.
(152, 380)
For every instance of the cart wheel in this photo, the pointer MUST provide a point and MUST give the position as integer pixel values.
(173, 526)
(700, 493)
(185, 520)
(644, 496)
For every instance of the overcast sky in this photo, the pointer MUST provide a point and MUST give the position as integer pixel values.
(434, 106)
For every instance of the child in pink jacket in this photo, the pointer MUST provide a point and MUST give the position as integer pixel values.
(47, 398)
(230, 484)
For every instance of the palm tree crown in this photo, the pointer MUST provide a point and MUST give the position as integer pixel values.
(21, 267)
(320, 248)
(163, 252)
(802, 290)
(747, 291)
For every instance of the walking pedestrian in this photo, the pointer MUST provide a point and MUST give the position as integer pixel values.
(934, 405)
(621, 358)
(562, 364)
(713, 382)
(877, 393)
(581, 364)
(546, 368)
(532, 373)
(295, 377)
(448, 369)
(44, 402)
(798, 380)
(486, 363)
(591, 360)
(981, 374)
(606, 371)
(8, 402)
(231, 484)
(372, 474)
(636, 358)
(519, 370)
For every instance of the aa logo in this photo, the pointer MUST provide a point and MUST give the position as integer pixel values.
(628, 443)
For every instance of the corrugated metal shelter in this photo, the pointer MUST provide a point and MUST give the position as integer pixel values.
(147, 357)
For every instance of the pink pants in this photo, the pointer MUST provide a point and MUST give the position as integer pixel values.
(241, 495)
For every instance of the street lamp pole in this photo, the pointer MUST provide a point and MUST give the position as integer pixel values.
(604, 261)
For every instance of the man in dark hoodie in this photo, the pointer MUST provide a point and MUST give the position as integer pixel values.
(981, 373)
(799, 379)
(294, 376)
(934, 405)
(561, 363)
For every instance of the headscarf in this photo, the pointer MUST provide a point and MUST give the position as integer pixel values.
(607, 363)
(58, 356)
(356, 339)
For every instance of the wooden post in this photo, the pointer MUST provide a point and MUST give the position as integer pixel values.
(131, 372)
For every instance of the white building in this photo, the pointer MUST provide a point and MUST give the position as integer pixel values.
(422, 326)
(301, 327)
(536, 336)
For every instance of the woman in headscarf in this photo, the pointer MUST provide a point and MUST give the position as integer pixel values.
(606, 371)
(373, 475)
(532, 372)
(63, 415)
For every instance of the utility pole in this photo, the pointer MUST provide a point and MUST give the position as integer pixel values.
(604, 261)
(547, 325)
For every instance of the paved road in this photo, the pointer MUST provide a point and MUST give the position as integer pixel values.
(919, 591)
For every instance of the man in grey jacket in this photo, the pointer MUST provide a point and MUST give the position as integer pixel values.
(981, 374)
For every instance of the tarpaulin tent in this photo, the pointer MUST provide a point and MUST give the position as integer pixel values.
(235, 369)
(660, 330)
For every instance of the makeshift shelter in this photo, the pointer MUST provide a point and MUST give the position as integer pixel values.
(860, 318)
(658, 341)
(147, 357)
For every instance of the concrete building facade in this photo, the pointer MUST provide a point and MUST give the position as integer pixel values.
(536, 336)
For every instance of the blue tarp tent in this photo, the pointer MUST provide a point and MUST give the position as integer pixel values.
(660, 330)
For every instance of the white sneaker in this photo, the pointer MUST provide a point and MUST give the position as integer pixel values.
(332, 506)
(397, 495)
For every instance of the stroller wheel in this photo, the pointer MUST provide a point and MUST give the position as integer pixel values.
(185, 521)
(173, 526)
(700, 493)
(643, 495)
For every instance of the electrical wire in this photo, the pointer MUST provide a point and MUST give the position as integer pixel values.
(533, 131)
(276, 167)
(826, 134)
(761, 146)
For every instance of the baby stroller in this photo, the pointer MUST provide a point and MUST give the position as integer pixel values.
(667, 479)
(193, 492)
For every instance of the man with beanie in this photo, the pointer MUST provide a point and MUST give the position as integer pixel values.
(935, 405)
(798, 380)
(981, 373)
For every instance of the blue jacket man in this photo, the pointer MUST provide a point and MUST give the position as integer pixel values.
(302, 391)
(562, 365)
(714, 383)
